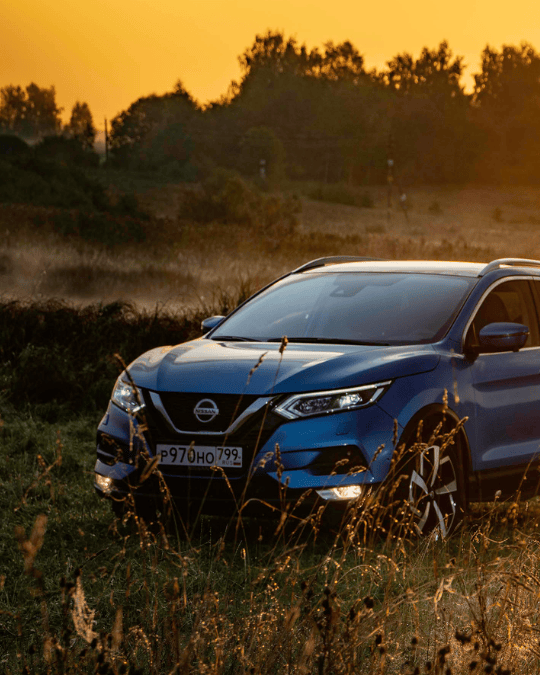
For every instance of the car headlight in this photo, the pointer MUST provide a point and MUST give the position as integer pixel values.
(336, 400)
(126, 396)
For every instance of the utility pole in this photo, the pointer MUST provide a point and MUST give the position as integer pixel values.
(106, 144)
(390, 175)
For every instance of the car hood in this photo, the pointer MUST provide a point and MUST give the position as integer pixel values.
(208, 366)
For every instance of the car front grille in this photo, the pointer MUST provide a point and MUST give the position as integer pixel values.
(183, 409)
(250, 436)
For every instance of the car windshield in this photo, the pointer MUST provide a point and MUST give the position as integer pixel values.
(360, 308)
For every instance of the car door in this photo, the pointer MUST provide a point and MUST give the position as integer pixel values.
(506, 384)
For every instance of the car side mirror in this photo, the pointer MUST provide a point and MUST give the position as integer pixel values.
(210, 322)
(503, 337)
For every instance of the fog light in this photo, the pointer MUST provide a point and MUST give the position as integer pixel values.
(343, 493)
(104, 483)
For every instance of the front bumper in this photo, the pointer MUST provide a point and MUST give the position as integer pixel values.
(284, 461)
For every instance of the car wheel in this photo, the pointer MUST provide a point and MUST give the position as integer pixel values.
(433, 490)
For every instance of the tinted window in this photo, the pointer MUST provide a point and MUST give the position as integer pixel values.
(364, 307)
(510, 301)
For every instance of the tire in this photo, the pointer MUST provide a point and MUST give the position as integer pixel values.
(433, 491)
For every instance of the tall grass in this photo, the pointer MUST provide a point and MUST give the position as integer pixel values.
(81, 592)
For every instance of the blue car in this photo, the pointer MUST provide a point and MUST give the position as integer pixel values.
(315, 389)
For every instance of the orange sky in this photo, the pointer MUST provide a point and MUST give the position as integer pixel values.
(109, 53)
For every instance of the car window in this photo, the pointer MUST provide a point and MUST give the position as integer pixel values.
(511, 301)
(387, 308)
(536, 294)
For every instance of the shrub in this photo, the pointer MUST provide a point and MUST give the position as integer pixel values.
(53, 352)
(31, 179)
(68, 151)
(225, 197)
(12, 146)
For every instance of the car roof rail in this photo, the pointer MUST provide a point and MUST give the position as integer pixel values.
(331, 260)
(508, 262)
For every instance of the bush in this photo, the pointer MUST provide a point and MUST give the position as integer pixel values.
(12, 146)
(31, 179)
(42, 180)
(225, 197)
(68, 151)
(57, 355)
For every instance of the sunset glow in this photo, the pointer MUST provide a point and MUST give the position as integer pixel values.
(111, 53)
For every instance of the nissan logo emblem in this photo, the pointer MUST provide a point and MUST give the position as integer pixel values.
(206, 410)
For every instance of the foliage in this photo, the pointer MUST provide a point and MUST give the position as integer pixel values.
(34, 179)
(154, 130)
(225, 197)
(434, 73)
(507, 113)
(31, 112)
(66, 151)
(57, 357)
(332, 119)
(275, 54)
(11, 145)
(53, 174)
(81, 126)
(338, 123)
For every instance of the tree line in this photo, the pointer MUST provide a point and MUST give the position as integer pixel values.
(319, 114)
(32, 113)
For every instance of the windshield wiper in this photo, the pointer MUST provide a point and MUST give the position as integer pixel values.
(331, 341)
(233, 338)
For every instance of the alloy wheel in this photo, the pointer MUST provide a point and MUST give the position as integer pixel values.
(433, 492)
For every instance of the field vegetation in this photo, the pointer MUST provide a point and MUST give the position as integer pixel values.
(181, 250)
(83, 592)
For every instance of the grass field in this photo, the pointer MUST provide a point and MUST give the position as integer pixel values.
(81, 592)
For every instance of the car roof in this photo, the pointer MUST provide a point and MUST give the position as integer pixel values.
(446, 267)
(403, 266)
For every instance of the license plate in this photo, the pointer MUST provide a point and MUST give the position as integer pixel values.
(200, 455)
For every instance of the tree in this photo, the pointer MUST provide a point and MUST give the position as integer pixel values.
(278, 56)
(31, 113)
(435, 72)
(321, 104)
(154, 130)
(273, 53)
(81, 126)
(430, 122)
(509, 80)
(506, 111)
(341, 62)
